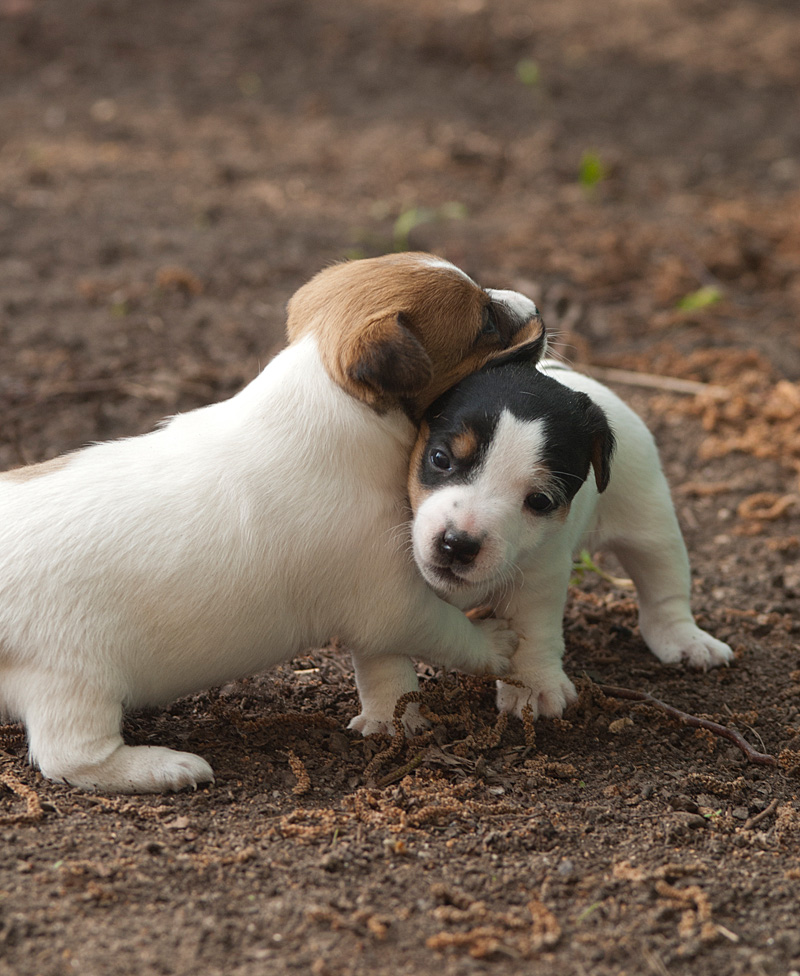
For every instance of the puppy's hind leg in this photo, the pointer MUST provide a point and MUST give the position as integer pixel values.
(656, 560)
(74, 738)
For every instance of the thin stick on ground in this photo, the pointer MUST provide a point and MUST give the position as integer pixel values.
(766, 812)
(668, 384)
(761, 758)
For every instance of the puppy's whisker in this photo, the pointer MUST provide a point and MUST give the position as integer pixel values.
(398, 537)
(558, 351)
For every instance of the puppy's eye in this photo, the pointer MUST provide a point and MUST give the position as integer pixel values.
(440, 460)
(489, 322)
(539, 502)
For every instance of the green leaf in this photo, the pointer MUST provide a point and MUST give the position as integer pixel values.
(414, 216)
(527, 72)
(592, 170)
(585, 564)
(702, 298)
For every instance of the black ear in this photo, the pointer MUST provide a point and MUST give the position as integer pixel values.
(603, 443)
(529, 352)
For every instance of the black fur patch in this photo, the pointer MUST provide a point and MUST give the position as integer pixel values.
(577, 433)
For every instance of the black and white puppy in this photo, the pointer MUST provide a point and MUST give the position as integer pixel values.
(500, 488)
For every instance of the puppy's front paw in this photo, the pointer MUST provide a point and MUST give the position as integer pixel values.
(548, 691)
(685, 642)
(413, 722)
(503, 643)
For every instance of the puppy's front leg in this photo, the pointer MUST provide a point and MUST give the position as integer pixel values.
(435, 632)
(536, 611)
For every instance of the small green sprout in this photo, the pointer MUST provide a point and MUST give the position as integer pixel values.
(702, 298)
(589, 910)
(414, 216)
(592, 170)
(585, 564)
(527, 71)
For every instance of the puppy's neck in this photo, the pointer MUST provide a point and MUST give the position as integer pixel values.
(296, 390)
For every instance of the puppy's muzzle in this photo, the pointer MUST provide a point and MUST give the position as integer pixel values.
(456, 548)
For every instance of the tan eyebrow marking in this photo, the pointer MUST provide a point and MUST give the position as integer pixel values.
(465, 444)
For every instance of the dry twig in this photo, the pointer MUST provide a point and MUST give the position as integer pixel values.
(761, 758)
(650, 381)
(766, 812)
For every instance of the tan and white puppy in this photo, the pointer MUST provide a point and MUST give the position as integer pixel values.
(236, 535)
(503, 499)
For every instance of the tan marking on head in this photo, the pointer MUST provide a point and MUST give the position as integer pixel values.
(31, 471)
(416, 492)
(397, 330)
(464, 444)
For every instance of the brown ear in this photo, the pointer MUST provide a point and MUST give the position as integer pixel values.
(384, 361)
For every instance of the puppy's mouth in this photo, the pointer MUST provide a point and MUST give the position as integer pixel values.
(445, 577)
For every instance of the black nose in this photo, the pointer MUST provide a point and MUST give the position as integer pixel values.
(458, 547)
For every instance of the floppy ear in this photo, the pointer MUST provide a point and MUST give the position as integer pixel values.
(529, 352)
(385, 361)
(602, 444)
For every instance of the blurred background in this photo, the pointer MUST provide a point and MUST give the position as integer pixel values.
(171, 172)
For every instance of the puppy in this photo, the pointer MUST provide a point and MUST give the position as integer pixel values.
(238, 534)
(503, 500)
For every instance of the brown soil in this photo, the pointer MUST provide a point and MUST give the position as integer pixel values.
(169, 174)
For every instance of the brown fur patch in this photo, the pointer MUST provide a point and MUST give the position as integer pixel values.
(464, 445)
(416, 492)
(422, 306)
(386, 359)
(31, 471)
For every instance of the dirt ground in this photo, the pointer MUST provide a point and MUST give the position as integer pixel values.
(169, 174)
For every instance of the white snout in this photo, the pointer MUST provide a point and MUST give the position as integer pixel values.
(452, 514)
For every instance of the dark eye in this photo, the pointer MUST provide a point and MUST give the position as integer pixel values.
(440, 460)
(490, 322)
(538, 502)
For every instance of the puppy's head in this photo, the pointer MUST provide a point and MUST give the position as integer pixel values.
(398, 330)
(497, 463)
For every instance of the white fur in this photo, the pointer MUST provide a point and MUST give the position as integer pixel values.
(519, 304)
(222, 543)
(525, 561)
